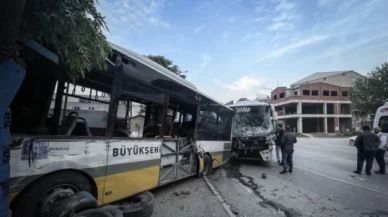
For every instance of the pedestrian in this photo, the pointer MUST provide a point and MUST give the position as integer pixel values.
(279, 134)
(366, 144)
(288, 140)
(379, 156)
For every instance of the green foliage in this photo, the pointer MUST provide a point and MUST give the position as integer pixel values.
(72, 29)
(370, 93)
(168, 64)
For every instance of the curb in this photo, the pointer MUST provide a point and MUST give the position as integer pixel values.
(222, 201)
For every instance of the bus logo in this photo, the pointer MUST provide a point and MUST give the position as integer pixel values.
(243, 110)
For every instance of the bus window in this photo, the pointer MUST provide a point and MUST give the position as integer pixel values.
(383, 124)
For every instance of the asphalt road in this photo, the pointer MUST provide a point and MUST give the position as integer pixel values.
(322, 184)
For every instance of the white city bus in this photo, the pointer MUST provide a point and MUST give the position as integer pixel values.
(185, 133)
(253, 130)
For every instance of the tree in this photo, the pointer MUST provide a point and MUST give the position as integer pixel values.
(370, 93)
(168, 64)
(72, 29)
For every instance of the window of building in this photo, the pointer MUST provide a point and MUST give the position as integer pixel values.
(344, 93)
(281, 95)
(306, 92)
(334, 93)
(326, 93)
(314, 92)
(275, 97)
(296, 93)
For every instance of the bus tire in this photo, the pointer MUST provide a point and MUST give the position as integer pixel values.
(106, 211)
(76, 203)
(144, 206)
(208, 165)
(24, 205)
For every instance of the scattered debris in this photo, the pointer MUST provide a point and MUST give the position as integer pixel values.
(182, 192)
(234, 212)
(352, 176)
(263, 176)
(330, 199)
(181, 207)
(239, 193)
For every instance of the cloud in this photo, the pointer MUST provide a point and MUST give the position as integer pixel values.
(205, 60)
(251, 36)
(292, 47)
(155, 21)
(280, 26)
(285, 16)
(136, 13)
(199, 28)
(336, 51)
(323, 2)
(245, 86)
(232, 19)
(225, 34)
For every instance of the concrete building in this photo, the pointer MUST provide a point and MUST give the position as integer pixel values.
(318, 103)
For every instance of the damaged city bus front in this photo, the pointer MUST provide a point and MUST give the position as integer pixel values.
(253, 130)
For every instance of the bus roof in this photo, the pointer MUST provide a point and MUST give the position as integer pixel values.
(248, 103)
(162, 70)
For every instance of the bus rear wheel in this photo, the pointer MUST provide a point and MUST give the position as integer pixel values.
(40, 198)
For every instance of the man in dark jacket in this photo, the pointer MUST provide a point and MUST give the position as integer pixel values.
(366, 144)
(279, 134)
(288, 140)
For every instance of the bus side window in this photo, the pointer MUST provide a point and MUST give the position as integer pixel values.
(214, 125)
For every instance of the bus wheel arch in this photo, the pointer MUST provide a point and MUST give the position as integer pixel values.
(88, 182)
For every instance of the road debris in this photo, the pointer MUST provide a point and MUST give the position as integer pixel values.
(263, 176)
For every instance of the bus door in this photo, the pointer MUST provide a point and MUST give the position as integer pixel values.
(133, 163)
(178, 156)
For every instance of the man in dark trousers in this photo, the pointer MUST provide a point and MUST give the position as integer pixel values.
(279, 134)
(366, 144)
(380, 150)
(288, 140)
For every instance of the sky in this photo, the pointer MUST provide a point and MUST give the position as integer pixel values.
(244, 48)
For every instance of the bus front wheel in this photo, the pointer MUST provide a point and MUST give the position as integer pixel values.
(208, 165)
(40, 197)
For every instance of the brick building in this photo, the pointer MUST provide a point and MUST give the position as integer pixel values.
(318, 103)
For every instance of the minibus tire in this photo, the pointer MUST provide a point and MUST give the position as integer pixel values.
(76, 203)
(23, 206)
(143, 208)
(208, 165)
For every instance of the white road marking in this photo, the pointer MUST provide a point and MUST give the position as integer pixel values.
(339, 180)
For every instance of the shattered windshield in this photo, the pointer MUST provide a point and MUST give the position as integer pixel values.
(251, 121)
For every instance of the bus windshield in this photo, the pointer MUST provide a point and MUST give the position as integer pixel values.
(252, 121)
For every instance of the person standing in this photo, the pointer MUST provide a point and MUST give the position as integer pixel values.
(366, 144)
(379, 156)
(288, 140)
(279, 134)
